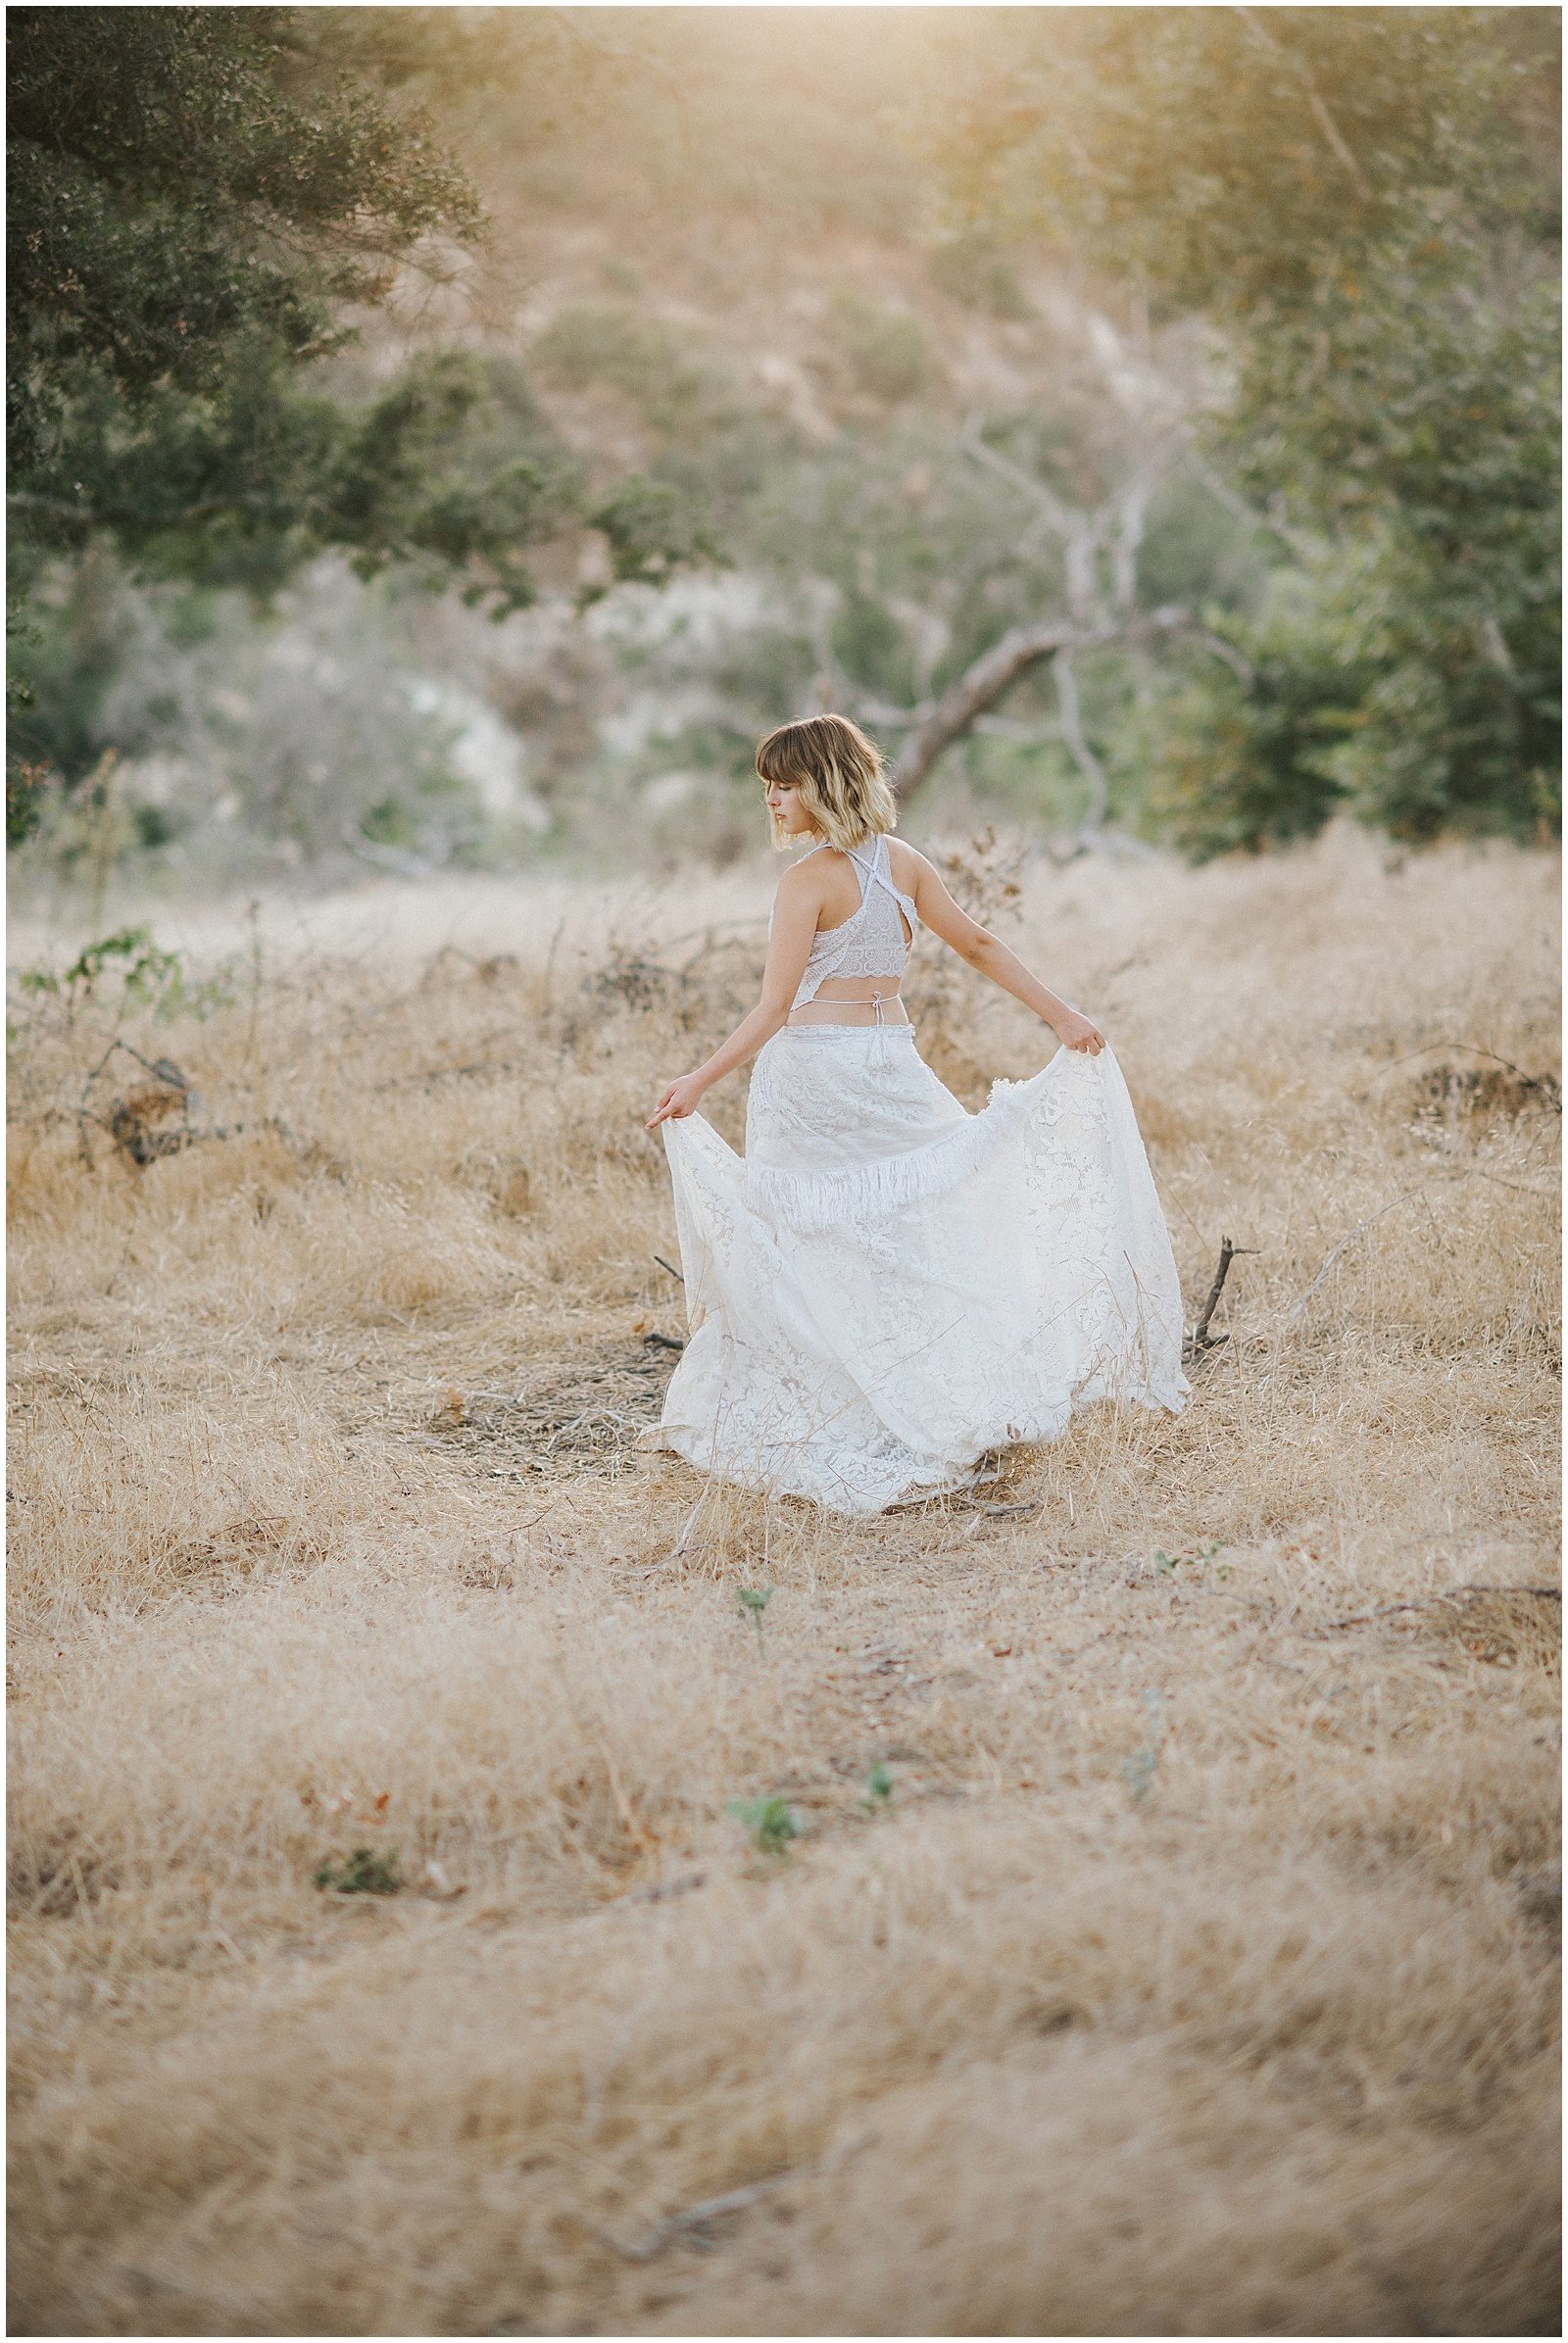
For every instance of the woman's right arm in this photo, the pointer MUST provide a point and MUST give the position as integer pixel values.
(991, 957)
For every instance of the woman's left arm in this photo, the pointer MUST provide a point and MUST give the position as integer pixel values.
(789, 947)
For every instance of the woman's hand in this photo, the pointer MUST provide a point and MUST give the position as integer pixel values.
(679, 1097)
(1077, 1033)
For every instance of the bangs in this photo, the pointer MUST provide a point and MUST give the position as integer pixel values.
(785, 754)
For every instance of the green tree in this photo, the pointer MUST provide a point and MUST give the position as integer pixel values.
(1363, 202)
(196, 196)
(192, 201)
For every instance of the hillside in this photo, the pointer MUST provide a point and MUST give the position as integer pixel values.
(720, 265)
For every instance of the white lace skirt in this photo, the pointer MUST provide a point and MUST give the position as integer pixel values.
(885, 1290)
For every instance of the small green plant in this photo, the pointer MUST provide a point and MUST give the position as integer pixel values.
(1165, 1563)
(879, 1790)
(753, 1601)
(1139, 1771)
(769, 1823)
(363, 1874)
(150, 977)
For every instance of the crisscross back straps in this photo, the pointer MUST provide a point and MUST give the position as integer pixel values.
(866, 870)
(881, 869)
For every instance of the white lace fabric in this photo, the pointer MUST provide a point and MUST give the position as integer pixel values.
(886, 1289)
(871, 942)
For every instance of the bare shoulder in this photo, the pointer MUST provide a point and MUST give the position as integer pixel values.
(919, 878)
(803, 879)
(907, 864)
(801, 885)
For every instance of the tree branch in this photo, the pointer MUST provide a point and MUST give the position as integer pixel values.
(1221, 490)
(1348, 1238)
(1072, 732)
(1314, 98)
(1048, 505)
(992, 674)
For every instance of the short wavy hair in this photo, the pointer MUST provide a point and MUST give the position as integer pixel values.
(839, 774)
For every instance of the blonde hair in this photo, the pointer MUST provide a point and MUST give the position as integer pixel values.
(838, 774)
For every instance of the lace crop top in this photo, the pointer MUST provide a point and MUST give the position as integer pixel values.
(871, 942)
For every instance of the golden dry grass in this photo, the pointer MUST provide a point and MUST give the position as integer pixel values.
(1199, 1972)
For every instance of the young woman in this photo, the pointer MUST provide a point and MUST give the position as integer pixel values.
(886, 1289)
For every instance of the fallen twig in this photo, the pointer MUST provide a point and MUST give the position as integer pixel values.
(1515, 1187)
(687, 1527)
(735, 2200)
(1348, 1238)
(1449, 1594)
(1546, 1084)
(1408, 1196)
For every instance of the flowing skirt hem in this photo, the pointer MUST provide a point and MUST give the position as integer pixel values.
(886, 1291)
(693, 1444)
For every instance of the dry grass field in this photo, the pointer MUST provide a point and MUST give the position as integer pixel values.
(1168, 1942)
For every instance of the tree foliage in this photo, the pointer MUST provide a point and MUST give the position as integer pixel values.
(1363, 202)
(198, 198)
(168, 190)
(191, 204)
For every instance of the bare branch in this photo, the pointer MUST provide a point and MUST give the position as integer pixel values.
(1016, 729)
(1131, 513)
(1072, 732)
(1546, 1084)
(884, 711)
(1240, 665)
(828, 685)
(994, 672)
(1059, 516)
(1202, 1339)
(1314, 98)
(1221, 490)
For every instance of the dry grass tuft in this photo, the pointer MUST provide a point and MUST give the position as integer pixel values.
(1169, 1940)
